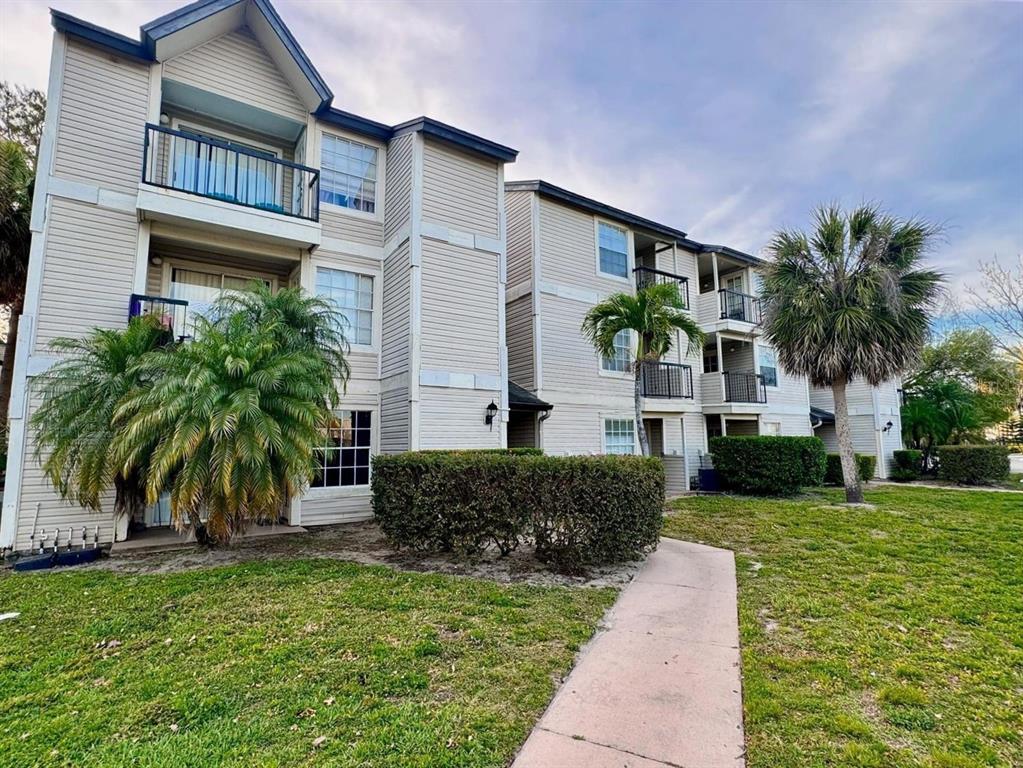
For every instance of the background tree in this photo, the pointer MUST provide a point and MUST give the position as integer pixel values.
(654, 315)
(237, 414)
(849, 300)
(16, 182)
(75, 424)
(22, 111)
(998, 298)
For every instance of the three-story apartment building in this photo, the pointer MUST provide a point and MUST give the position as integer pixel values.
(207, 155)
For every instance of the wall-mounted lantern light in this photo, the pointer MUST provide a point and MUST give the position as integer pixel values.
(887, 427)
(491, 414)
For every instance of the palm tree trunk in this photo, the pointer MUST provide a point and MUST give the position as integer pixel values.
(644, 444)
(7, 372)
(850, 470)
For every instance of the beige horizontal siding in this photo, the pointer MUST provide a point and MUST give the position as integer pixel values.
(459, 309)
(398, 189)
(394, 420)
(519, 320)
(453, 418)
(355, 229)
(519, 207)
(396, 315)
(572, 430)
(102, 118)
(88, 270)
(326, 509)
(459, 190)
(568, 250)
(236, 66)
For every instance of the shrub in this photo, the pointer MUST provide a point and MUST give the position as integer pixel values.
(833, 472)
(771, 466)
(973, 464)
(908, 464)
(578, 511)
(502, 451)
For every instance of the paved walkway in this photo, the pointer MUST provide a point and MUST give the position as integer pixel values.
(660, 685)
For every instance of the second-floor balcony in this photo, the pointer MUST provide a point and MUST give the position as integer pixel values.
(172, 314)
(647, 276)
(744, 388)
(739, 306)
(220, 170)
(668, 380)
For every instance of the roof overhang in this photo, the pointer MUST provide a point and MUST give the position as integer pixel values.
(821, 416)
(521, 399)
(71, 25)
(546, 189)
(462, 139)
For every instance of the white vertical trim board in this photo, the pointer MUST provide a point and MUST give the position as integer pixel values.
(502, 286)
(536, 298)
(415, 289)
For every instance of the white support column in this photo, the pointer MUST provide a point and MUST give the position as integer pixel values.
(724, 432)
(721, 363)
(714, 266)
(141, 258)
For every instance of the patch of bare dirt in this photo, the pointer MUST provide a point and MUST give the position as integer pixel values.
(366, 544)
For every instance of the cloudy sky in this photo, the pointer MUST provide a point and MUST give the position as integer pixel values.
(725, 119)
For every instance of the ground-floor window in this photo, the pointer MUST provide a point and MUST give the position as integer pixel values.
(619, 436)
(772, 428)
(344, 458)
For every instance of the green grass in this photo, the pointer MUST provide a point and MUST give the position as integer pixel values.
(886, 638)
(248, 665)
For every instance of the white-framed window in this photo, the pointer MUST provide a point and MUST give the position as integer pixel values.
(768, 366)
(343, 458)
(770, 428)
(202, 285)
(619, 436)
(612, 250)
(348, 173)
(621, 361)
(352, 293)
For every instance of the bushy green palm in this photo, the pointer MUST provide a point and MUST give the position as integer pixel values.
(75, 424)
(236, 414)
(850, 300)
(654, 314)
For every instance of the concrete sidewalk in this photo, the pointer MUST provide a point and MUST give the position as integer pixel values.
(660, 685)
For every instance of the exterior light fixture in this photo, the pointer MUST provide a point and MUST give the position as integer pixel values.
(491, 413)
(887, 427)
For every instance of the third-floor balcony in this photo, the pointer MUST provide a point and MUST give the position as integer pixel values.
(203, 181)
(739, 306)
(744, 388)
(647, 276)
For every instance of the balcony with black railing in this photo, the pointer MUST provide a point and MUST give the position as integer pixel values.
(647, 276)
(744, 388)
(220, 170)
(171, 314)
(667, 380)
(739, 306)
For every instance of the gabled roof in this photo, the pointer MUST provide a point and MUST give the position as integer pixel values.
(546, 189)
(203, 20)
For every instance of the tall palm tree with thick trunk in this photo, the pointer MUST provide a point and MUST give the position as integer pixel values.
(75, 424)
(849, 300)
(654, 314)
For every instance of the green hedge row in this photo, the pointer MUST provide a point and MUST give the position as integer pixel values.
(501, 451)
(833, 471)
(767, 465)
(973, 464)
(578, 511)
(908, 464)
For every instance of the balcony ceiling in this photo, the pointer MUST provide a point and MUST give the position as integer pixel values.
(227, 110)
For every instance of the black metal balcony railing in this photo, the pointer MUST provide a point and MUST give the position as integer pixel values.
(667, 380)
(744, 388)
(218, 170)
(739, 306)
(171, 313)
(646, 276)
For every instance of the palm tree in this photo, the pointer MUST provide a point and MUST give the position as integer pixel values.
(75, 425)
(237, 414)
(654, 314)
(849, 300)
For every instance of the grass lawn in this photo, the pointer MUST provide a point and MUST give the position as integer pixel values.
(254, 664)
(888, 638)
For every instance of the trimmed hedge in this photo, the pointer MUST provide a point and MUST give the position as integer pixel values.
(973, 464)
(501, 451)
(833, 471)
(578, 511)
(768, 465)
(908, 464)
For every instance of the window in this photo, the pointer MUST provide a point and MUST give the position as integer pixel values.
(613, 246)
(769, 366)
(352, 293)
(344, 458)
(770, 428)
(348, 174)
(619, 436)
(710, 360)
(201, 289)
(622, 359)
